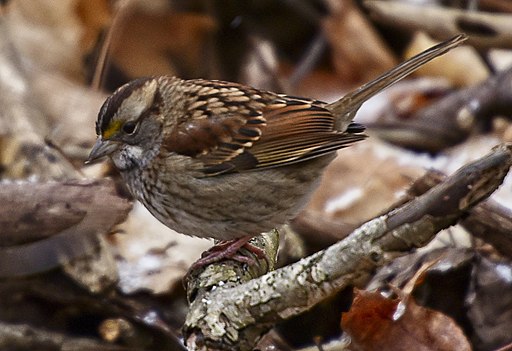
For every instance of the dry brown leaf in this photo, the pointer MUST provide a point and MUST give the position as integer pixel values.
(358, 52)
(371, 325)
(159, 43)
(95, 16)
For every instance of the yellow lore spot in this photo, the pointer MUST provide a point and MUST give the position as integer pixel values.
(112, 129)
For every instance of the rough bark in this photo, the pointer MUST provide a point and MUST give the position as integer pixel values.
(233, 317)
(45, 225)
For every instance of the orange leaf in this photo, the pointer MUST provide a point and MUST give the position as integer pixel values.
(371, 325)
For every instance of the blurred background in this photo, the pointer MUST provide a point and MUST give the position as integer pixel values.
(60, 60)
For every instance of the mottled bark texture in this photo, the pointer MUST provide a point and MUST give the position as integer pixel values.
(233, 317)
(45, 225)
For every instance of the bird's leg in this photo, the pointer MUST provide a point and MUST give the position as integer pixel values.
(229, 249)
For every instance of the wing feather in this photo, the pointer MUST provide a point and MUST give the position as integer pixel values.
(231, 135)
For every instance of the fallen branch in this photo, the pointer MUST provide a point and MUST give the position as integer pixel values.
(485, 30)
(26, 337)
(45, 225)
(489, 221)
(449, 120)
(235, 317)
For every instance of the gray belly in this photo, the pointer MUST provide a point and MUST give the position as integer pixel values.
(231, 205)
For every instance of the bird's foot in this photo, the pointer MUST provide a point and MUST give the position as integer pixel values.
(229, 249)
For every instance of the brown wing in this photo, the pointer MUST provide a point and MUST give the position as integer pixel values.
(232, 128)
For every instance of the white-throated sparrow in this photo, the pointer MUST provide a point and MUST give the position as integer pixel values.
(221, 160)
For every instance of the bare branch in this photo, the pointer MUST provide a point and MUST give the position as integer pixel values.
(235, 317)
(26, 337)
(67, 215)
(450, 119)
(485, 30)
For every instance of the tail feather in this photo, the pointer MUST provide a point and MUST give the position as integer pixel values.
(355, 128)
(347, 106)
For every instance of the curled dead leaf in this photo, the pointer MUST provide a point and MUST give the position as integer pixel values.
(372, 325)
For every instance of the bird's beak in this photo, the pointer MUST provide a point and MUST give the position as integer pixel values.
(101, 149)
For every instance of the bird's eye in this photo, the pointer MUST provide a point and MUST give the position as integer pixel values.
(129, 127)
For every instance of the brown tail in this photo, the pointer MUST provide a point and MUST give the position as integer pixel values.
(347, 106)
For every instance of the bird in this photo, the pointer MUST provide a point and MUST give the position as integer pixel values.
(222, 160)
